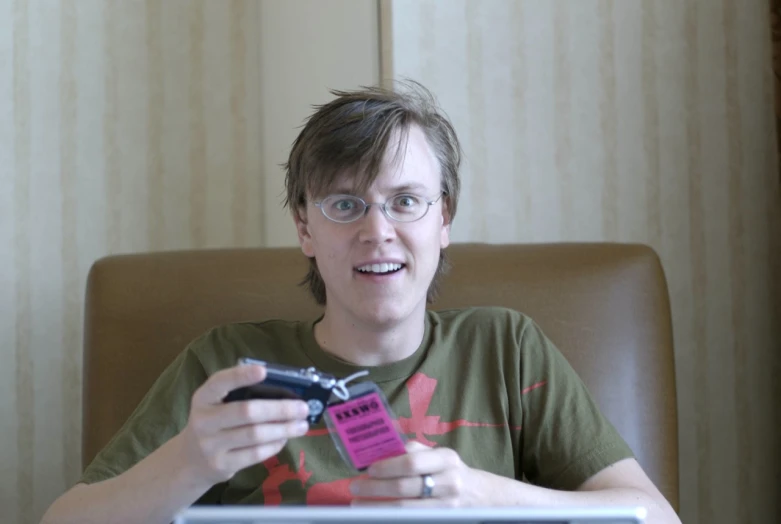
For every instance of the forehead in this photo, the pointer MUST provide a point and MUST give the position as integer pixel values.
(408, 163)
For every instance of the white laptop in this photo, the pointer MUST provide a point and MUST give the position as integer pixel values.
(347, 515)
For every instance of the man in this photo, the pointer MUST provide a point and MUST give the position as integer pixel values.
(486, 400)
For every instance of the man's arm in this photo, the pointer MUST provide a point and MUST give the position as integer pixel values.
(153, 490)
(219, 440)
(398, 480)
(622, 484)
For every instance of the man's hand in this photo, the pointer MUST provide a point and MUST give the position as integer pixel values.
(221, 439)
(398, 481)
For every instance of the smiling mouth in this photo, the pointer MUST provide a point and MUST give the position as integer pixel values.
(380, 269)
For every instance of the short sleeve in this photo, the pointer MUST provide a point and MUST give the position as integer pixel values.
(566, 438)
(161, 414)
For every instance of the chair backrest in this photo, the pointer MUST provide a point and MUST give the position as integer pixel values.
(604, 305)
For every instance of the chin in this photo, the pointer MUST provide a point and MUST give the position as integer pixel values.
(382, 313)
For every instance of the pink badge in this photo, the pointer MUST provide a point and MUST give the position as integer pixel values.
(366, 430)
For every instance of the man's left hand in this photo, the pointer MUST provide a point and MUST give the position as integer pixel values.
(399, 481)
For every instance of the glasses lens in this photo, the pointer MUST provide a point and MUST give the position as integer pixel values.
(407, 208)
(342, 208)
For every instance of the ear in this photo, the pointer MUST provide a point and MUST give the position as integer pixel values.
(444, 233)
(302, 228)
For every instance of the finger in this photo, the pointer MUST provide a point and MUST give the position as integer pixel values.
(414, 446)
(260, 411)
(446, 485)
(238, 459)
(259, 434)
(406, 503)
(415, 464)
(226, 380)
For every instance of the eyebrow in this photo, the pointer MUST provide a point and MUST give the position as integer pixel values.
(413, 186)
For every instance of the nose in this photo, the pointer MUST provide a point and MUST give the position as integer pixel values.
(375, 227)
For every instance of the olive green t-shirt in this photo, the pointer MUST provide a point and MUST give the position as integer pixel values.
(485, 382)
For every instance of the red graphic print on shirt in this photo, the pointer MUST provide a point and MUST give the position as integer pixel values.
(421, 391)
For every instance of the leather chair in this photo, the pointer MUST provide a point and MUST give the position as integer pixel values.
(604, 305)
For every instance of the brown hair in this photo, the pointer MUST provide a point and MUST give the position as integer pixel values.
(352, 133)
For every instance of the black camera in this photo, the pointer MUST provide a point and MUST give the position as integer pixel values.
(284, 382)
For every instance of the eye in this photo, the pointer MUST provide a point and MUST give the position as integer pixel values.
(405, 202)
(344, 204)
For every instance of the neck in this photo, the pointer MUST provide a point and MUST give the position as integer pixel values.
(363, 344)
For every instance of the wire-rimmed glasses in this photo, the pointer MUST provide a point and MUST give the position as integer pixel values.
(406, 207)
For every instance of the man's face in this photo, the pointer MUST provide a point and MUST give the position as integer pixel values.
(377, 269)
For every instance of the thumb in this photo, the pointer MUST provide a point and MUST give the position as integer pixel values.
(224, 381)
(414, 446)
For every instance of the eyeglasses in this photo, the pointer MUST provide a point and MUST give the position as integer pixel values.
(401, 208)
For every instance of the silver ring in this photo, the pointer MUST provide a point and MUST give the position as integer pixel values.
(428, 486)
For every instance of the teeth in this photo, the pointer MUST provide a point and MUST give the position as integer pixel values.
(379, 268)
